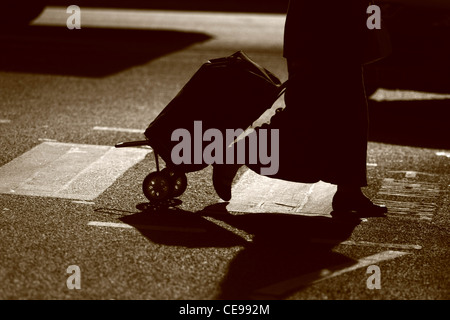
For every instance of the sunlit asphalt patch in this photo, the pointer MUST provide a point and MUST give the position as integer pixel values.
(67, 170)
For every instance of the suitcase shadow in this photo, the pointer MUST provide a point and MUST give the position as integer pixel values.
(177, 227)
(275, 248)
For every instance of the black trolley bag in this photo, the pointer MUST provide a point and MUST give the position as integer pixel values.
(225, 93)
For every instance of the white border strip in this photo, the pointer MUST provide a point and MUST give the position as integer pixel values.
(128, 130)
(320, 275)
(144, 227)
(369, 244)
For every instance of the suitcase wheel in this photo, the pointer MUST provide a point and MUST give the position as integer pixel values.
(178, 181)
(157, 186)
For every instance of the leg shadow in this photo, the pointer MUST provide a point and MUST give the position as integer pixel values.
(287, 254)
(277, 249)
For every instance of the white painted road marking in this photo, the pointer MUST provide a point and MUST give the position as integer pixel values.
(321, 275)
(443, 154)
(47, 140)
(369, 244)
(406, 95)
(118, 129)
(4, 121)
(144, 227)
(410, 194)
(84, 202)
(109, 224)
(66, 170)
(254, 193)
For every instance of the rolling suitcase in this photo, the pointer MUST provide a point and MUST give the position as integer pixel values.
(225, 93)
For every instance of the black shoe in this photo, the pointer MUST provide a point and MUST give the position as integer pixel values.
(356, 205)
(223, 175)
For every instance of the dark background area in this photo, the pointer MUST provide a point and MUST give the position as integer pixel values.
(420, 61)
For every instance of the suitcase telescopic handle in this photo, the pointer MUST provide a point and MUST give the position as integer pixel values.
(282, 89)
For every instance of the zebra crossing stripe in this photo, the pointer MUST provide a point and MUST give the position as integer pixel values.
(66, 170)
(278, 289)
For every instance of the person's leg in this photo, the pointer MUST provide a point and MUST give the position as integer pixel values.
(325, 93)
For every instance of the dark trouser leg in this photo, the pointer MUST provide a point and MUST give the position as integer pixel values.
(323, 129)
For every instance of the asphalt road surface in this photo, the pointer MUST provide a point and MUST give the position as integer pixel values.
(70, 223)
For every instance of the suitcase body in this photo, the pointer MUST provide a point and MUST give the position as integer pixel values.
(225, 93)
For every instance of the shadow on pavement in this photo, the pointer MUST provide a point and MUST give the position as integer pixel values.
(282, 246)
(88, 52)
(420, 51)
(421, 123)
(419, 62)
(176, 227)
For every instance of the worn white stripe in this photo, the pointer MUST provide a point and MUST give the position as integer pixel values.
(65, 170)
(370, 244)
(406, 95)
(144, 227)
(274, 195)
(5, 121)
(46, 140)
(410, 194)
(321, 275)
(385, 245)
(109, 224)
(305, 199)
(443, 154)
(84, 202)
(128, 130)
